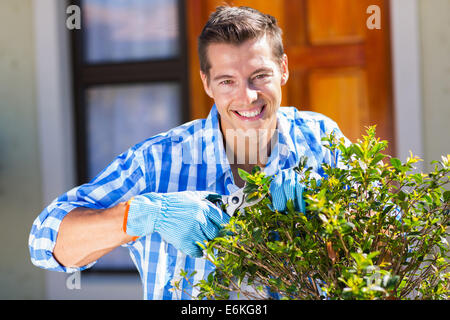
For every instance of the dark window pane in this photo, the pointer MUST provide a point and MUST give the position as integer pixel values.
(130, 30)
(117, 260)
(121, 116)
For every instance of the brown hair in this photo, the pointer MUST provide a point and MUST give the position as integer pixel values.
(235, 25)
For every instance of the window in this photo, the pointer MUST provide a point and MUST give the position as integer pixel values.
(130, 83)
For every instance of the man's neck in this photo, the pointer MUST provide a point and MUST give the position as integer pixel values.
(246, 149)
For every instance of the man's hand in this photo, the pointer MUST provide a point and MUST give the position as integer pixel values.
(285, 186)
(181, 218)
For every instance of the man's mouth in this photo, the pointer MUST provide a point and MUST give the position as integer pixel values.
(252, 114)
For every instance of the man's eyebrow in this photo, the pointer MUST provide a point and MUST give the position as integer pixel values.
(222, 76)
(226, 76)
(264, 69)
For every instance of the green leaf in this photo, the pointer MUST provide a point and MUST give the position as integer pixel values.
(348, 226)
(256, 169)
(387, 209)
(323, 217)
(390, 282)
(377, 159)
(417, 178)
(250, 188)
(243, 174)
(358, 257)
(358, 151)
(396, 163)
(257, 234)
(373, 255)
(401, 195)
(446, 196)
(290, 205)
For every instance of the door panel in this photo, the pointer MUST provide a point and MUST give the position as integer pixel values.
(340, 87)
(329, 23)
(337, 65)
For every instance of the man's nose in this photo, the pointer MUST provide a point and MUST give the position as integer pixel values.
(247, 95)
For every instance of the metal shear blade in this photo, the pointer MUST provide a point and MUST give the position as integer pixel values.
(236, 201)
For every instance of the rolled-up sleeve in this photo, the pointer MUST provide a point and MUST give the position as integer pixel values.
(42, 239)
(119, 181)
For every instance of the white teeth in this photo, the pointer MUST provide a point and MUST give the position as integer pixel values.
(249, 114)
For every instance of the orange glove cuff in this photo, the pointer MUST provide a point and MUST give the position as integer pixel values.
(125, 219)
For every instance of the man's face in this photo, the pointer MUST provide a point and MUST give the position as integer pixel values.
(245, 82)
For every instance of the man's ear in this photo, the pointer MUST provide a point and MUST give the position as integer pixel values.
(206, 84)
(284, 70)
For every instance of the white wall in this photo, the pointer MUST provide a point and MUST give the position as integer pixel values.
(421, 68)
(20, 178)
(434, 17)
(53, 98)
(408, 109)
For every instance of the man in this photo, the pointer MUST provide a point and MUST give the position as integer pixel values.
(152, 197)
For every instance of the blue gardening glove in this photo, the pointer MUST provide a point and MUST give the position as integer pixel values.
(286, 185)
(181, 218)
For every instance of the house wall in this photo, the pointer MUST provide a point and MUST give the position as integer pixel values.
(20, 176)
(434, 17)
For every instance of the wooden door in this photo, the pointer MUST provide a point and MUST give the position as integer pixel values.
(338, 66)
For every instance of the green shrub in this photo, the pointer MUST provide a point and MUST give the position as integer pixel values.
(372, 230)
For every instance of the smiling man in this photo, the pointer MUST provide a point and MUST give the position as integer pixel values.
(243, 67)
(245, 80)
(151, 198)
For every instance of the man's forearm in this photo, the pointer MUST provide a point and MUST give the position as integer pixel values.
(86, 234)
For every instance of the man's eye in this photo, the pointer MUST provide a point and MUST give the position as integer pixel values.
(226, 82)
(262, 76)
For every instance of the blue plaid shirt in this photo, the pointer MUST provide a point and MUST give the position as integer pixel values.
(189, 157)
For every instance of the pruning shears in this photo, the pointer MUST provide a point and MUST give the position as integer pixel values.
(233, 202)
